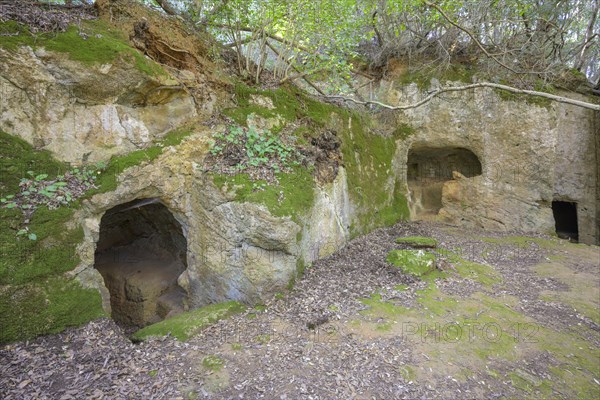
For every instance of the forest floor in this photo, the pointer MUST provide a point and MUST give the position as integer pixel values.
(505, 316)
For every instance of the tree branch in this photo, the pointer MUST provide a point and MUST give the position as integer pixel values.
(167, 7)
(297, 70)
(269, 35)
(477, 42)
(559, 99)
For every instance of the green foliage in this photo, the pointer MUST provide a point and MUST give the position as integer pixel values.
(37, 191)
(188, 324)
(258, 149)
(414, 262)
(91, 43)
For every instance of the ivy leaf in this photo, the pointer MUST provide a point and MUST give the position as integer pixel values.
(32, 236)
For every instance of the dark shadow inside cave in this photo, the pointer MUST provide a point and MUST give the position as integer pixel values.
(427, 170)
(565, 220)
(140, 254)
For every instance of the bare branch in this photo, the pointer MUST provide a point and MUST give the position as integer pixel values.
(168, 7)
(439, 91)
(297, 70)
(477, 42)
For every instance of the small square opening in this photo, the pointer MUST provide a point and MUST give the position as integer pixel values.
(565, 220)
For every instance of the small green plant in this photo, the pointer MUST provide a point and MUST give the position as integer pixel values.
(213, 363)
(263, 339)
(240, 149)
(37, 191)
(236, 346)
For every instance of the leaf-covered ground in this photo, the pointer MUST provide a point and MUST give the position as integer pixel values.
(503, 316)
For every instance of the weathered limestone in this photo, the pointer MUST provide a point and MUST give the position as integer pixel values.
(530, 156)
(235, 251)
(86, 113)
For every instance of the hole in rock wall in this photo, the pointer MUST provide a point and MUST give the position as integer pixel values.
(427, 170)
(565, 220)
(140, 254)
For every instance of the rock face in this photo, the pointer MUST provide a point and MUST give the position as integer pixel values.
(530, 156)
(86, 113)
(233, 251)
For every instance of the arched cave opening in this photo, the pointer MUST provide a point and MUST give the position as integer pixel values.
(427, 170)
(565, 220)
(140, 254)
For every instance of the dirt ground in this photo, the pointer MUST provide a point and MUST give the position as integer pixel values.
(505, 316)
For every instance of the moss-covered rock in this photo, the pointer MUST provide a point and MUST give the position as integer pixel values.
(188, 324)
(36, 297)
(93, 42)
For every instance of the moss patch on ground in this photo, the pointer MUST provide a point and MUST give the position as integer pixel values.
(36, 297)
(188, 324)
(92, 43)
(413, 262)
(418, 241)
(484, 274)
(454, 332)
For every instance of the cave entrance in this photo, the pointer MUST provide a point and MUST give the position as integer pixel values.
(565, 220)
(140, 254)
(427, 170)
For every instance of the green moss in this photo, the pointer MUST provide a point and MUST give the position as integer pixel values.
(418, 241)
(481, 273)
(107, 180)
(413, 262)
(36, 297)
(94, 42)
(289, 103)
(368, 161)
(407, 373)
(403, 131)
(381, 308)
(293, 197)
(236, 346)
(539, 86)
(262, 339)
(17, 157)
(213, 363)
(367, 157)
(300, 266)
(188, 324)
(454, 73)
(47, 307)
(384, 327)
